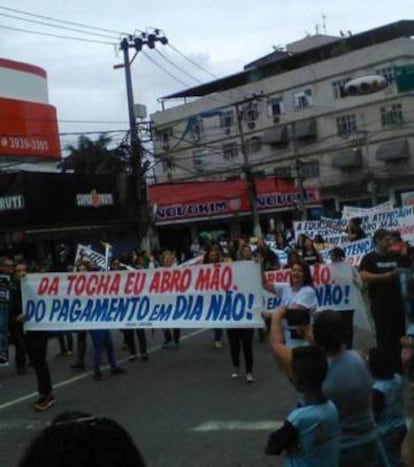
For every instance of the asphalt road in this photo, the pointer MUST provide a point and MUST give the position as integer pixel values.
(181, 407)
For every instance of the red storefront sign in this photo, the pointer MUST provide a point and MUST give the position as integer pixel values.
(203, 200)
(28, 129)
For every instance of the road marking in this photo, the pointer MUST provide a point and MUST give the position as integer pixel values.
(87, 374)
(229, 425)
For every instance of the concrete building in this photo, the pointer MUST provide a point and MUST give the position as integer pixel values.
(286, 115)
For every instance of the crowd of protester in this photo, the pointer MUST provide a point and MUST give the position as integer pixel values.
(350, 408)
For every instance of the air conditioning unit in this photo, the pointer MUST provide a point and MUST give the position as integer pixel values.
(251, 125)
(276, 119)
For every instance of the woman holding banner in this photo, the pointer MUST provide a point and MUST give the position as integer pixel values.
(298, 298)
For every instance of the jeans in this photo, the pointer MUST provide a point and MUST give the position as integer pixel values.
(36, 342)
(102, 338)
(17, 336)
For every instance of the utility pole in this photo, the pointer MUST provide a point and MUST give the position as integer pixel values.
(299, 173)
(140, 209)
(251, 185)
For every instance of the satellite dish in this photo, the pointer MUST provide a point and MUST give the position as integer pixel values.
(365, 85)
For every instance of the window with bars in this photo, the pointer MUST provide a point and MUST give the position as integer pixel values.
(230, 151)
(197, 129)
(309, 169)
(200, 160)
(302, 99)
(346, 124)
(251, 112)
(338, 88)
(388, 73)
(227, 118)
(276, 106)
(391, 115)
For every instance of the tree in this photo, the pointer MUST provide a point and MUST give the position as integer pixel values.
(94, 157)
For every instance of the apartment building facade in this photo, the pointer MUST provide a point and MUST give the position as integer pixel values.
(286, 116)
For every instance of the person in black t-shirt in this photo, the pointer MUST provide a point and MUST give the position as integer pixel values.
(379, 270)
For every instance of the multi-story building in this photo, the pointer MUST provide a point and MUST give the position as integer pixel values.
(286, 115)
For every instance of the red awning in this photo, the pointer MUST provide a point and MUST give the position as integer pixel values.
(201, 200)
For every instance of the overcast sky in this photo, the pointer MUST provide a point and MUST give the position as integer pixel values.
(222, 36)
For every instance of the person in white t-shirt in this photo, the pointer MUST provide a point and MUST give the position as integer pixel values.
(296, 296)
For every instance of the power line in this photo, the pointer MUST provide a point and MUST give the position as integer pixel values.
(164, 69)
(57, 36)
(192, 61)
(43, 23)
(63, 21)
(177, 67)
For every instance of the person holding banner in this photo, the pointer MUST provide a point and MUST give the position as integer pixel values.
(298, 299)
(379, 270)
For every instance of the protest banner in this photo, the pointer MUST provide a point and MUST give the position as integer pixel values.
(398, 219)
(333, 292)
(349, 212)
(202, 296)
(4, 313)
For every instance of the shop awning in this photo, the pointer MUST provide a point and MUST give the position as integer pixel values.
(277, 135)
(187, 202)
(393, 151)
(347, 159)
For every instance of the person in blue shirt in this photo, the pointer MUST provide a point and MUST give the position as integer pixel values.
(388, 404)
(309, 436)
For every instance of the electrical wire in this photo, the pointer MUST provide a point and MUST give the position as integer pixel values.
(57, 36)
(163, 69)
(191, 61)
(177, 67)
(63, 21)
(43, 23)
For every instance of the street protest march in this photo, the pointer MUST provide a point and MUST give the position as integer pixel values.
(225, 295)
(200, 296)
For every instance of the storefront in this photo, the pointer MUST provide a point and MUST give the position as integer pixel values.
(182, 210)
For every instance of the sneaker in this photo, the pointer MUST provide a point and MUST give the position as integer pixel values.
(44, 403)
(118, 371)
(132, 358)
(249, 378)
(235, 373)
(97, 374)
(218, 345)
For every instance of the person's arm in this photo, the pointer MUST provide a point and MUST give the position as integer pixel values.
(281, 439)
(373, 278)
(282, 352)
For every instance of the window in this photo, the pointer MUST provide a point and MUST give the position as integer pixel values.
(388, 73)
(283, 172)
(167, 163)
(346, 124)
(302, 99)
(392, 115)
(230, 151)
(276, 106)
(338, 87)
(227, 119)
(250, 112)
(164, 135)
(200, 160)
(309, 169)
(197, 129)
(254, 145)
